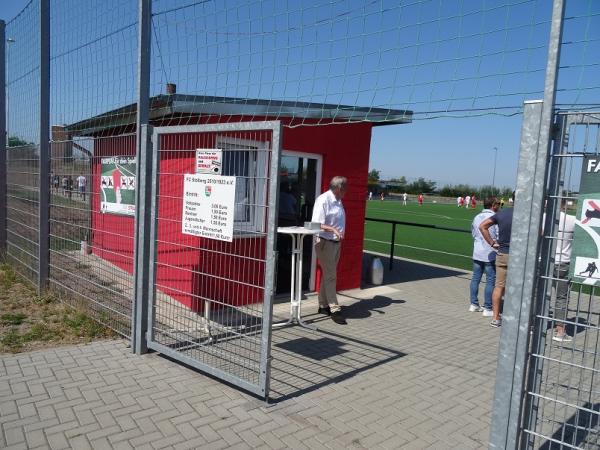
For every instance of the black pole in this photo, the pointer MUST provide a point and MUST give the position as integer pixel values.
(392, 246)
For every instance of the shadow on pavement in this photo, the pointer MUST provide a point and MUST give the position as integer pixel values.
(305, 361)
(571, 329)
(364, 308)
(577, 430)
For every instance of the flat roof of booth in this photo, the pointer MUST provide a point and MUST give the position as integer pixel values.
(176, 105)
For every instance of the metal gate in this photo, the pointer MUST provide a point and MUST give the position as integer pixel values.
(548, 386)
(562, 396)
(213, 248)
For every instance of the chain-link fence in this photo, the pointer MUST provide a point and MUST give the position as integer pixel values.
(22, 130)
(79, 203)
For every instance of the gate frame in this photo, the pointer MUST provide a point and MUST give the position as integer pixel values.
(564, 121)
(262, 388)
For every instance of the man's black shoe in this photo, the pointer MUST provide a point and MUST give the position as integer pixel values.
(324, 310)
(338, 318)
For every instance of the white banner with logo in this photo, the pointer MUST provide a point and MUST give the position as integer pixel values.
(208, 206)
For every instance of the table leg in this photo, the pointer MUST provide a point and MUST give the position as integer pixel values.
(298, 316)
(207, 319)
(292, 317)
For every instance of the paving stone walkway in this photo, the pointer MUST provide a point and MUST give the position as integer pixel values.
(412, 369)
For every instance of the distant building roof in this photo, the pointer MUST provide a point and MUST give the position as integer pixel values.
(177, 105)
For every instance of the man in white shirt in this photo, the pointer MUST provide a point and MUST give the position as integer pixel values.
(484, 258)
(467, 201)
(329, 212)
(562, 260)
(81, 182)
(404, 197)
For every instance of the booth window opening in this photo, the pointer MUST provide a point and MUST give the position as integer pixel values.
(247, 161)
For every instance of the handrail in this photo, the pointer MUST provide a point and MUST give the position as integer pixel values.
(421, 225)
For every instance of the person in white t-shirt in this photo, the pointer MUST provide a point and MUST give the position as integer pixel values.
(561, 282)
(81, 184)
(329, 212)
(404, 198)
(484, 258)
(467, 201)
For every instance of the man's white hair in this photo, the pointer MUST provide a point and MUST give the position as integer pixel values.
(338, 183)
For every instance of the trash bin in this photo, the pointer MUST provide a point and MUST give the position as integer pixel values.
(376, 271)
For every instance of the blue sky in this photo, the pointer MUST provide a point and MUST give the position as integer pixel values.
(10, 8)
(475, 61)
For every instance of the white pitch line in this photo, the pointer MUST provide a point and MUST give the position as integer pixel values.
(420, 248)
(399, 213)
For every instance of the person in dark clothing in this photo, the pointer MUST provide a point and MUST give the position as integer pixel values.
(591, 269)
(70, 186)
(503, 219)
(593, 213)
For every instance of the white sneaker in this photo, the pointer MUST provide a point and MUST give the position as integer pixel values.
(475, 308)
(562, 338)
(487, 313)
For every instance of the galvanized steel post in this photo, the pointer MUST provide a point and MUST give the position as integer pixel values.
(523, 263)
(541, 306)
(512, 354)
(144, 184)
(3, 215)
(271, 258)
(44, 162)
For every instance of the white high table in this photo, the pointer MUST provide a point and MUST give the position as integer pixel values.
(297, 234)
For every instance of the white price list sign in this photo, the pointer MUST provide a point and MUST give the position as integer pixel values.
(208, 206)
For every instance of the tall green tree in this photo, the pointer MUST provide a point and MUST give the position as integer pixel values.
(374, 176)
(15, 141)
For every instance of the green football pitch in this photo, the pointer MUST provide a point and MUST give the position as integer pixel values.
(448, 248)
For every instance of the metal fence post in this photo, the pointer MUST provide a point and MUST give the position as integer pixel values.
(3, 204)
(144, 184)
(511, 371)
(541, 306)
(44, 162)
(525, 239)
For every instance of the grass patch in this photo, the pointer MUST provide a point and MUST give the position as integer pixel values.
(7, 276)
(12, 319)
(83, 326)
(29, 321)
(42, 332)
(11, 339)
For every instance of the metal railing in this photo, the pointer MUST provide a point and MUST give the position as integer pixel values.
(412, 224)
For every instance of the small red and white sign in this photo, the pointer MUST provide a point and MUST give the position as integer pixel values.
(209, 160)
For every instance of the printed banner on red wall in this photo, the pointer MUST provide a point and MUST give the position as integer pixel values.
(585, 258)
(117, 185)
